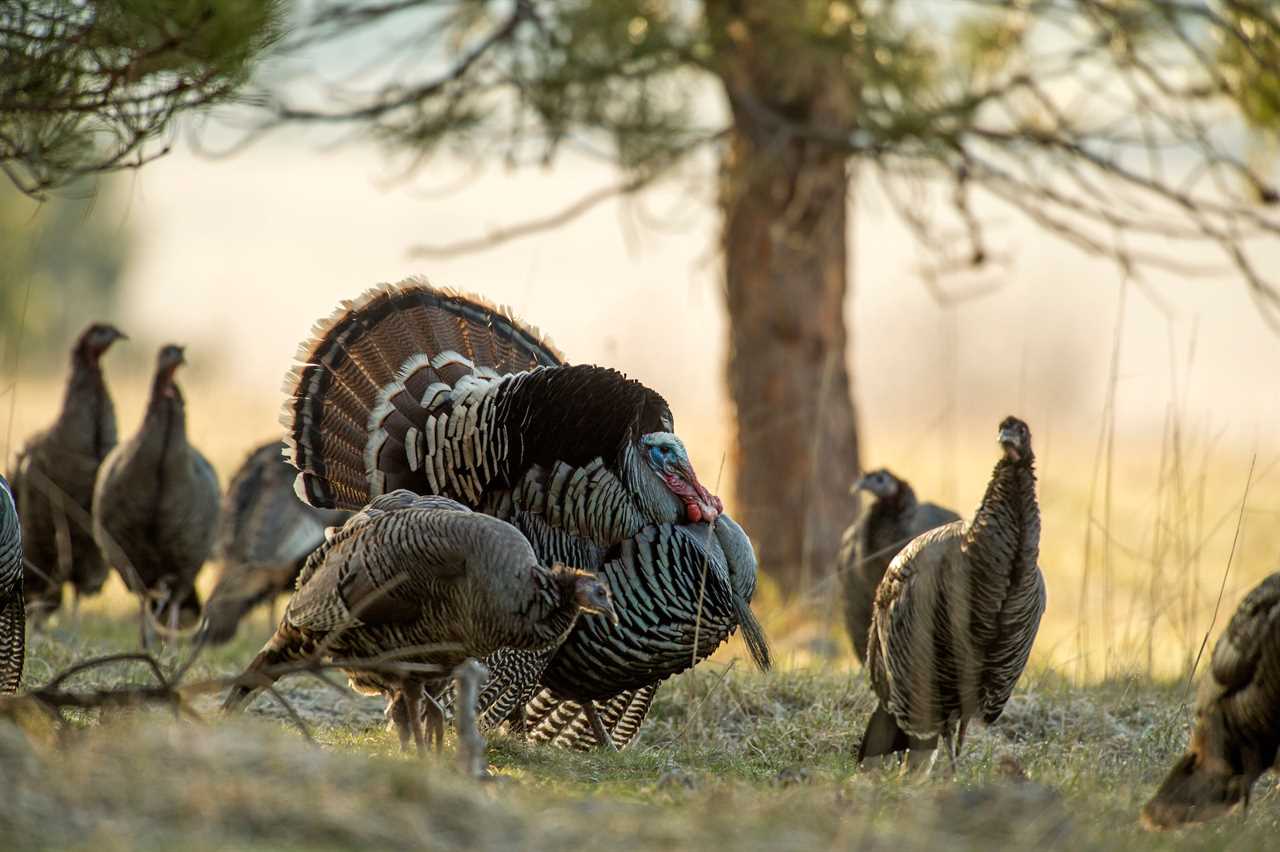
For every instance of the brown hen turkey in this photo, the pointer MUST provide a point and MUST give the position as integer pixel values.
(421, 580)
(265, 535)
(956, 615)
(869, 545)
(155, 504)
(54, 477)
(1237, 733)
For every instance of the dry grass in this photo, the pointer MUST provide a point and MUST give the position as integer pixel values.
(1132, 580)
(729, 759)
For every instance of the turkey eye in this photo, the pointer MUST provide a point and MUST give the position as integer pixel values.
(657, 454)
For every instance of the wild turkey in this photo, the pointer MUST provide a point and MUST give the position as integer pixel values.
(13, 618)
(155, 504)
(956, 614)
(53, 482)
(1237, 732)
(618, 674)
(421, 580)
(265, 535)
(414, 387)
(868, 546)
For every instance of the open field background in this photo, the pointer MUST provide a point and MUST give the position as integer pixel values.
(1133, 575)
(1143, 460)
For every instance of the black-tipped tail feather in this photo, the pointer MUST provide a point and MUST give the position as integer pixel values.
(885, 736)
(753, 634)
(379, 354)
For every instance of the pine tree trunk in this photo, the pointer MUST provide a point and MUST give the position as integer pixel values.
(784, 205)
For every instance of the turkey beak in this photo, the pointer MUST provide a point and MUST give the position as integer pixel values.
(858, 486)
(117, 334)
(606, 609)
(1009, 441)
(709, 505)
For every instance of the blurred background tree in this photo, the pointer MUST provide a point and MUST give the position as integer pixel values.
(1119, 126)
(89, 87)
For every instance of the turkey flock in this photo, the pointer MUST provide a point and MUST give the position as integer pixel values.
(449, 487)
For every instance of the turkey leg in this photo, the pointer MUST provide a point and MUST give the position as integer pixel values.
(597, 727)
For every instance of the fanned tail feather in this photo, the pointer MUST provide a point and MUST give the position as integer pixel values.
(564, 723)
(357, 395)
(753, 634)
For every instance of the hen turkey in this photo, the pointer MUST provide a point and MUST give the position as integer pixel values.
(53, 481)
(155, 504)
(419, 388)
(868, 546)
(1237, 732)
(956, 615)
(421, 580)
(265, 535)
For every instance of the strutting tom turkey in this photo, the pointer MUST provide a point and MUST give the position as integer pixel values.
(265, 535)
(1237, 732)
(956, 614)
(421, 580)
(414, 387)
(155, 504)
(54, 477)
(869, 545)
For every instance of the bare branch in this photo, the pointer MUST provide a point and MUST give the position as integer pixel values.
(531, 227)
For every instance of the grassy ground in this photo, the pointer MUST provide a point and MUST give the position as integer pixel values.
(730, 759)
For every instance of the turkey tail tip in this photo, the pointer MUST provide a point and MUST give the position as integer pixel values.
(753, 634)
(883, 736)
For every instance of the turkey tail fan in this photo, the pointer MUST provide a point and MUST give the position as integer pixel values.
(12, 640)
(367, 368)
(565, 724)
(546, 717)
(635, 711)
(753, 634)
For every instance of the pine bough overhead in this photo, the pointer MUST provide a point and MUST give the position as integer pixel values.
(437, 392)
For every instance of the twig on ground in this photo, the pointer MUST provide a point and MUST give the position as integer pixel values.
(470, 677)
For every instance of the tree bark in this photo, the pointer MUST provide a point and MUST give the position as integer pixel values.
(784, 206)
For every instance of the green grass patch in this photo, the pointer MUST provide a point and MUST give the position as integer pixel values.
(729, 759)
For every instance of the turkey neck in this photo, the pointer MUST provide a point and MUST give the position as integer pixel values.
(166, 409)
(1004, 535)
(164, 427)
(892, 508)
(86, 408)
(555, 607)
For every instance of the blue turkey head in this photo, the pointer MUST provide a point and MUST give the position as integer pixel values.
(664, 454)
